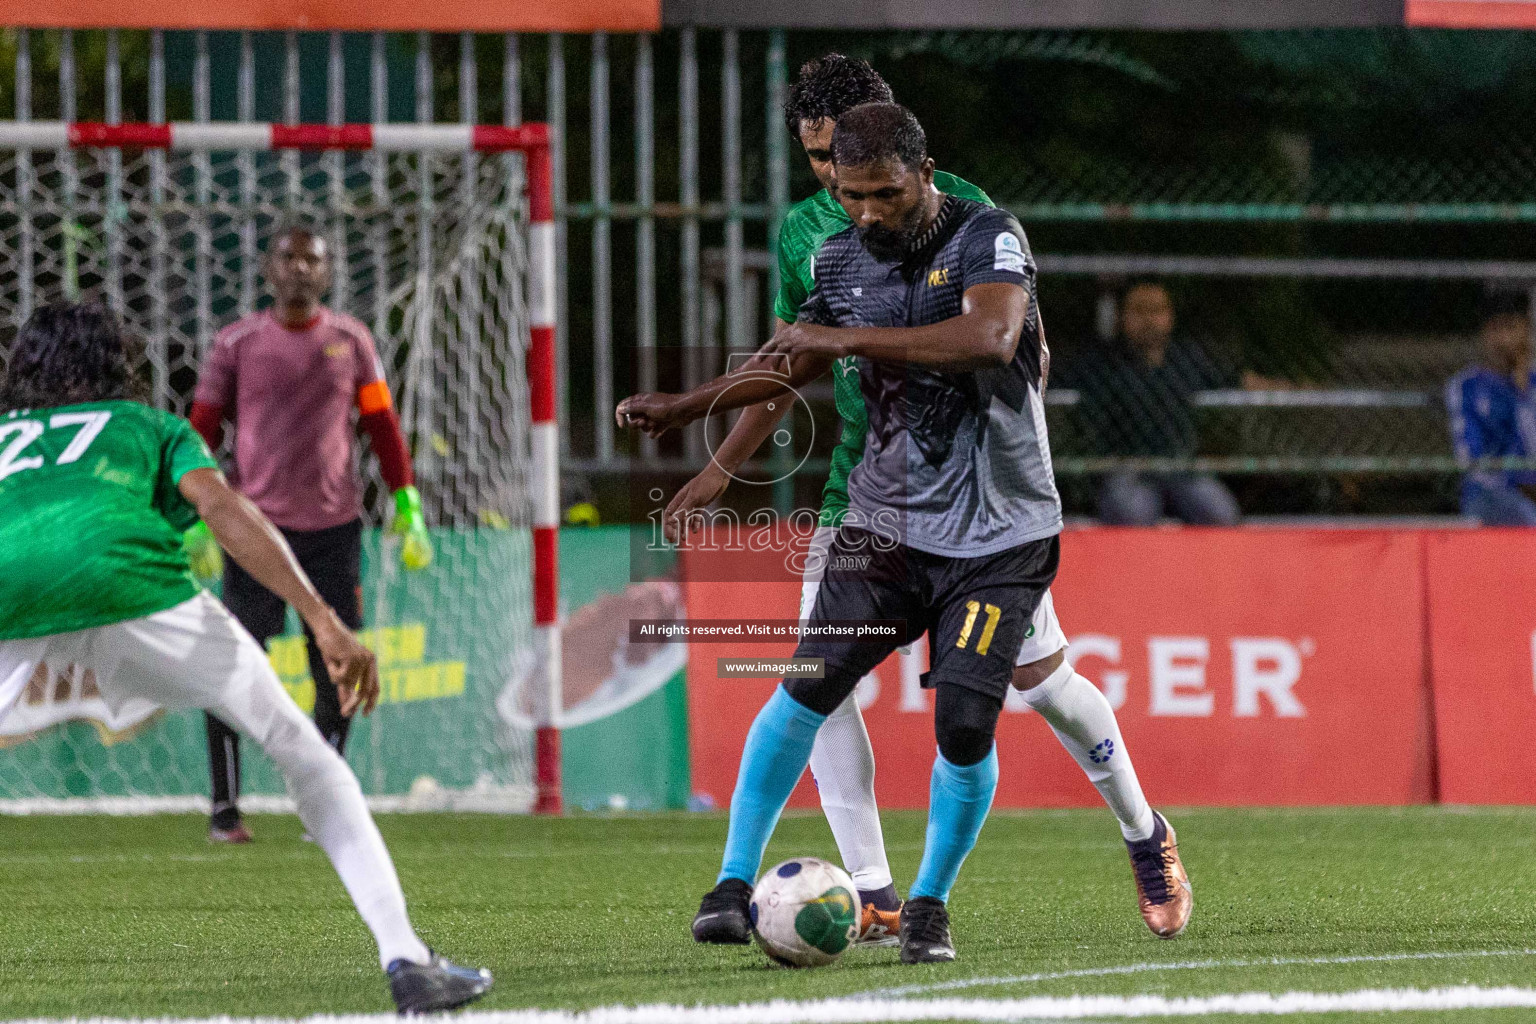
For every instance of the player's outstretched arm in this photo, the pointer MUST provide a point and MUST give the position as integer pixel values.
(986, 333)
(252, 541)
(750, 431)
(761, 379)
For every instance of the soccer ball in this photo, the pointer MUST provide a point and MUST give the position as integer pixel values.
(805, 912)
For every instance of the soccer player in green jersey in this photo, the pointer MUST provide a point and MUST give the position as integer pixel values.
(95, 492)
(842, 760)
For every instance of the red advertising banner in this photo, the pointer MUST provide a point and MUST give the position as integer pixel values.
(1482, 606)
(1267, 667)
(1471, 13)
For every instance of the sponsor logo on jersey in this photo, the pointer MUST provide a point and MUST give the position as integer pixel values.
(1008, 254)
(339, 350)
(938, 277)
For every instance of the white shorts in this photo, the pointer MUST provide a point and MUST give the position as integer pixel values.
(195, 655)
(1043, 639)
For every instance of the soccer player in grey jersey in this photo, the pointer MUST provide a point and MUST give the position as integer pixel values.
(957, 457)
(953, 513)
(842, 759)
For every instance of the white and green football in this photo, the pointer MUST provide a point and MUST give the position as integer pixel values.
(805, 912)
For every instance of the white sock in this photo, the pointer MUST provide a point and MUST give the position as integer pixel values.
(331, 807)
(1085, 724)
(843, 764)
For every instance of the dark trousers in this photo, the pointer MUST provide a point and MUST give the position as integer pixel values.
(332, 558)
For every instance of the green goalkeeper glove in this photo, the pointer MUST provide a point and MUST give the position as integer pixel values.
(203, 552)
(411, 526)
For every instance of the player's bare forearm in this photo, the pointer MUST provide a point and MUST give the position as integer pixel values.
(951, 348)
(985, 334)
(754, 426)
(761, 379)
(252, 541)
(749, 433)
(249, 537)
(733, 391)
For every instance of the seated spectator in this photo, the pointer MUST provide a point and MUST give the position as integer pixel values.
(1136, 402)
(1492, 408)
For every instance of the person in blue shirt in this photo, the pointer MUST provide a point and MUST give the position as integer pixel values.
(1492, 411)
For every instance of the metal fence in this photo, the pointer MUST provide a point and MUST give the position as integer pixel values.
(673, 171)
(280, 85)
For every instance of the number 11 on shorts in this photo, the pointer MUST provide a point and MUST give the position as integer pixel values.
(972, 609)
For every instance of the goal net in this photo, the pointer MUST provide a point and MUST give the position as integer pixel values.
(431, 251)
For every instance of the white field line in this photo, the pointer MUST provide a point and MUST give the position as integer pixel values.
(1185, 965)
(879, 1011)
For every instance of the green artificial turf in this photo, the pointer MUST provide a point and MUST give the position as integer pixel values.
(141, 917)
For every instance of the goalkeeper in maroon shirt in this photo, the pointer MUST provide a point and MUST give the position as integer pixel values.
(288, 378)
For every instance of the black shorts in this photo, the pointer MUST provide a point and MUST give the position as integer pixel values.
(332, 558)
(976, 611)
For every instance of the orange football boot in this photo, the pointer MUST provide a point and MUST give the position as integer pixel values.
(1162, 884)
(879, 927)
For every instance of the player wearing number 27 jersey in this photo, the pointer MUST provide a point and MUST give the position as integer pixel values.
(95, 491)
(92, 524)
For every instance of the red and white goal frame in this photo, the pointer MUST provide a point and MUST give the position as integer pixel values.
(531, 140)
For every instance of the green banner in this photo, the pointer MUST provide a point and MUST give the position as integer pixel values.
(454, 646)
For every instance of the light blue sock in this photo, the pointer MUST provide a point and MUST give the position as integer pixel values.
(777, 750)
(958, 802)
